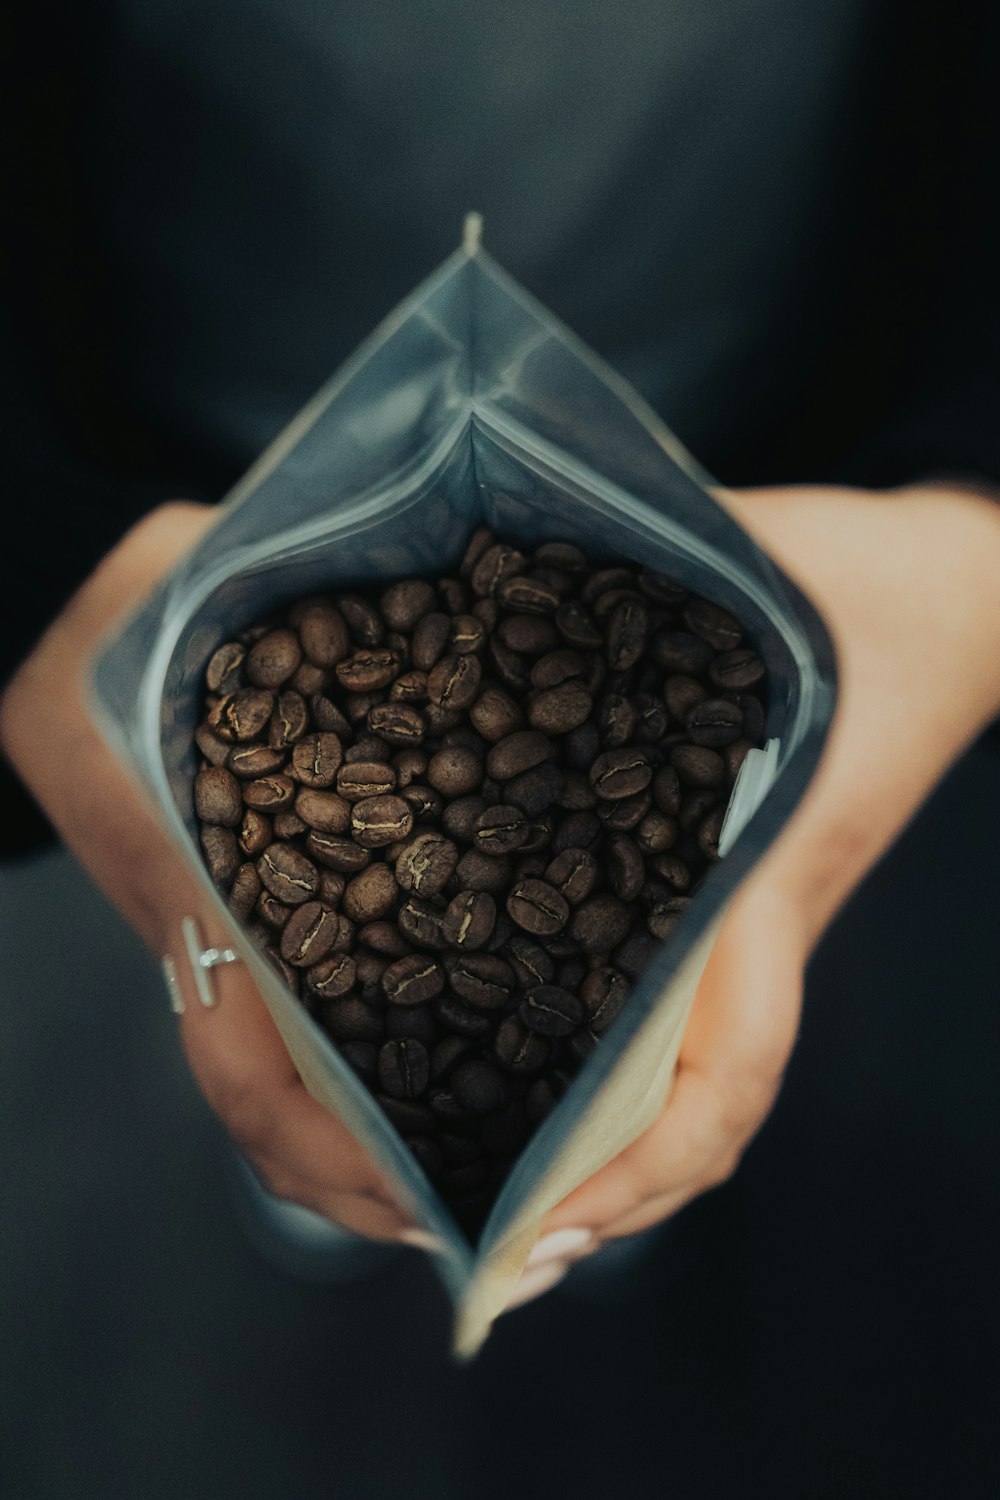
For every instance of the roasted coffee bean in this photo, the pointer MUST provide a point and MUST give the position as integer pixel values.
(288, 825)
(671, 870)
(331, 886)
(224, 673)
(481, 539)
(752, 710)
(425, 803)
(362, 1058)
(408, 1115)
(410, 688)
(558, 710)
(402, 604)
(328, 717)
(656, 833)
(337, 852)
(250, 761)
(664, 916)
(627, 629)
(215, 749)
(476, 871)
(694, 806)
(272, 911)
(698, 766)
(404, 1068)
(679, 651)
(454, 682)
(325, 811)
(495, 714)
(511, 668)
(426, 864)
(600, 924)
(478, 1086)
(308, 680)
(245, 892)
(576, 793)
(273, 659)
(528, 635)
(368, 670)
(708, 833)
(573, 873)
(399, 723)
(217, 797)
(651, 719)
(364, 622)
(412, 980)
(561, 555)
(488, 611)
(537, 907)
(370, 968)
(288, 875)
(377, 821)
(332, 977)
(580, 830)
(518, 752)
(625, 814)
(289, 721)
(270, 794)
(309, 934)
(323, 633)
(581, 1045)
(316, 760)
(634, 955)
(616, 721)
(497, 563)
(625, 867)
(383, 937)
(351, 1020)
(360, 779)
(736, 669)
(528, 593)
(551, 1011)
(446, 1054)
(660, 588)
(734, 755)
(681, 693)
(468, 921)
(557, 667)
(500, 830)
(242, 715)
(370, 894)
(518, 1048)
(420, 922)
(430, 639)
(460, 1018)
(289, 977)
(455, 772)
(532, 964)
(604, 993)
(409, 766)
(483, 980)
(577, 628)
(468, 634)
(415, 1021)
(716, 723)
(534, 791)
(717, 626)
(620, 773)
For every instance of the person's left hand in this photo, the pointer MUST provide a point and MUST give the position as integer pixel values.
(906, 582)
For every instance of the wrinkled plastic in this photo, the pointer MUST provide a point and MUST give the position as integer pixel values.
(470, 404)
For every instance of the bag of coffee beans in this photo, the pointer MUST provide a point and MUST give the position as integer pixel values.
(471, 713)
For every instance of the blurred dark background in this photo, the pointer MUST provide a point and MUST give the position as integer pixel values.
(778, 220)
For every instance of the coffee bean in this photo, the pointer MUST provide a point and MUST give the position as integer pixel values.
(734, 755)
(534, 791)
(537, 907)
(468, 634)
(681, 693)
(289, 977)
(573, 873)
(445, 1055)
(500, 830)
(715, 625)
(483, 980)
(634, 955)
(577, 628)
(224, 673)
(495, 714)
(511, 668)
(528, 635)
(377, 821)
(332, 977)
(581, 830)
(666, 790)
(481, 539)
(307, 679)
(715, 723)
(625, 814)
(581, 1046)
(488, 611)
(626, 870)
(454, 682)
(459, 817)
(273, 659)
(680, 651)
(245, 892)
(557, 667)
(620, 773)
(323, 633)
(272, 911)
(308, 935)
(455, 772)
(328, 717)
(478, 1086)
(627, 628)
(604, 993)
(269, 793)
(412, 1021)
(337, 852)
(398, 723)
(426, 863)
(242, 715)
(421, 922)
(363, 621)
(551, 1011)
(600, 924)
(460, 1018)
(316, 760)
(368, 670)
(325, 811)
(468, 921)
(217, 797)
(288, 875)
(412, 980)
(698, 766)
(736, 669)
(215, 749)
(656, 833)
(404, 1068)
(410, 688)
(664, 917)
(289, 721)
(672, 870)
(362, 1058)
(370, 894)
(753, 714)
(402, 604)
(288, 825)
(558, 710)
(357, 780)
(518, 752)
(370, 968)
(331, 886)
(496, 563)
(518, 1048)
(476, 871)
(708, 833)
(430, 639)
(528, 593)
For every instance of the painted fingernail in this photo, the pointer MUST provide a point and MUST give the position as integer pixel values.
(560, 1243)
(420, 1240)
(535, 1281)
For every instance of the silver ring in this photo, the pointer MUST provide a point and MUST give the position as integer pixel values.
(201, 959)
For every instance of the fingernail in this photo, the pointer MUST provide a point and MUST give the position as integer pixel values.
(420, 1240)
(559, 1243)
(534, 1282)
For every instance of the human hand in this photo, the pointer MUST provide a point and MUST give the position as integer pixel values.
(235, 1051)
(906, 582)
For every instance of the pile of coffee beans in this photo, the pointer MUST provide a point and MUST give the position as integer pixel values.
(459, 816)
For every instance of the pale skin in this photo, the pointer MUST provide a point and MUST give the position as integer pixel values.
(907, 582)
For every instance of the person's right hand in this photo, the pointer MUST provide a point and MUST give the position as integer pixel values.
(236, 1053)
